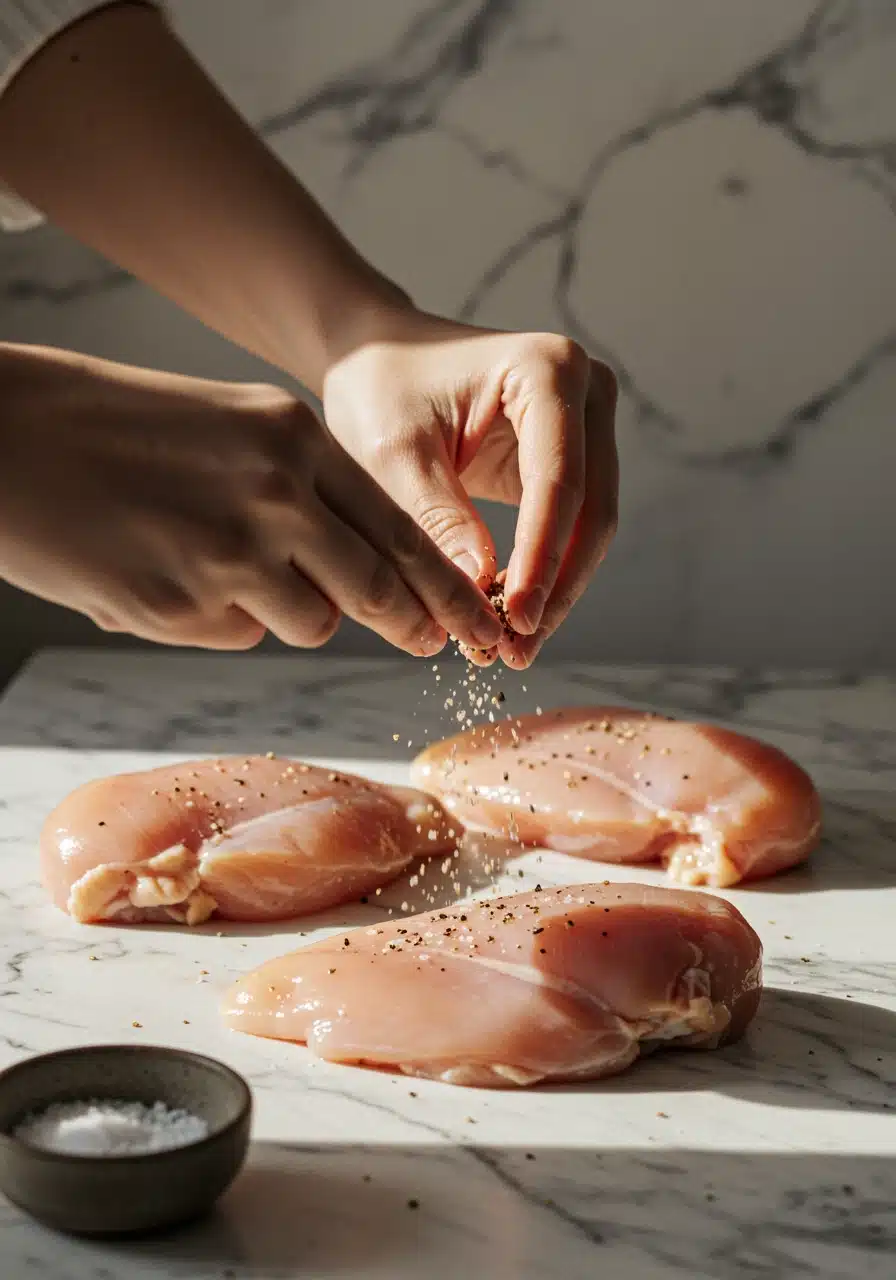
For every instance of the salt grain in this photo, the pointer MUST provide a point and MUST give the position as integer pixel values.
(110, 1128)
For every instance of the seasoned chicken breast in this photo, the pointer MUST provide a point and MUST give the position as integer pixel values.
(556, 985)
(253, 838)
(625, 786)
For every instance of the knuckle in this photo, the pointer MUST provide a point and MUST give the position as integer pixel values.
(407, 539)
(165, 600)
(273, 482)
(383, 592)
(564, 354)
(231, 544)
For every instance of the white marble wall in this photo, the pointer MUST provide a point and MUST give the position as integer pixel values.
(705, 191)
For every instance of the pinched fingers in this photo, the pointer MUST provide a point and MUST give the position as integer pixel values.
(448, 601)
(595, 525)
(545, 399)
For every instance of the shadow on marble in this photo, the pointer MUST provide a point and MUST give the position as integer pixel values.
(804, 1050)
(857, 850)
(520, 1213)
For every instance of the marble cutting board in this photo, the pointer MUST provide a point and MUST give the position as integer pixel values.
(774, 1158)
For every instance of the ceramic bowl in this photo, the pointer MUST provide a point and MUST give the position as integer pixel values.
(131, 1194)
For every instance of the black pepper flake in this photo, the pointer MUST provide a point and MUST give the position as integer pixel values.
(413, 1204)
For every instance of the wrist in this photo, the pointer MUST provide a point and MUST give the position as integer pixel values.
(380, 311)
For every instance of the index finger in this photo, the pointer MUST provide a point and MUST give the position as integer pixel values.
(549, 419)
(451, 599)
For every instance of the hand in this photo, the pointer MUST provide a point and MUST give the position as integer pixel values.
(440, 413)
(203, 513)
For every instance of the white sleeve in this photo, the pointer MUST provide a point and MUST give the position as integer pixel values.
(25, 26)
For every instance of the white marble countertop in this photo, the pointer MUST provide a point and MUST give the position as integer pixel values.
(773, 1158)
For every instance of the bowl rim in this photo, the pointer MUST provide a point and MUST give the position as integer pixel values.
(203, 1060)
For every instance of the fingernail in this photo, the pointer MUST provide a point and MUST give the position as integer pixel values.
(531, 610)
(432, 641)
(468, 564)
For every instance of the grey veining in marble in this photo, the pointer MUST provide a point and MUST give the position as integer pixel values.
(774, 1158)
(704, 192)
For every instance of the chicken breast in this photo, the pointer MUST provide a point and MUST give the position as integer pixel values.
(630, 787)
(556, 985)
(255, 838)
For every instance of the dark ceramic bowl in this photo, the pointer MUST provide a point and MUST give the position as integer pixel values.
(122, 1195)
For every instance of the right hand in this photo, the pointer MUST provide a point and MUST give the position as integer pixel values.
(204, 513)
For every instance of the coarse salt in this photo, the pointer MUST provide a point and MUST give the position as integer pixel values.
(110, 1127)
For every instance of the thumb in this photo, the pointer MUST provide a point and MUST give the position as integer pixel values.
(428, 487)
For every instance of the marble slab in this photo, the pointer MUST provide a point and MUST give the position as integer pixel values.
(774, 1158)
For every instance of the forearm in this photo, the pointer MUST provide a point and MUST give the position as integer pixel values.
(121, 139)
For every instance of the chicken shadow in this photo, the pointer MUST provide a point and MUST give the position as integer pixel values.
(804, 1050)
(857, 848)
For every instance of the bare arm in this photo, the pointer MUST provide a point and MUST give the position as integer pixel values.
(115, 132)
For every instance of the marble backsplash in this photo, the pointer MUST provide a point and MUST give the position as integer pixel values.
(704, 192)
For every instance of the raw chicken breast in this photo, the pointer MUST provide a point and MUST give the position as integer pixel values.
(559, 984)
(246, 839)
(626, 786)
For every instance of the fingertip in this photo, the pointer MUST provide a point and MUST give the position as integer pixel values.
(431, 641)
(478, 657)
(526, 611)
(520, 651)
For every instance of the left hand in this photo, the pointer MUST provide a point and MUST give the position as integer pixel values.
(440, 413)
